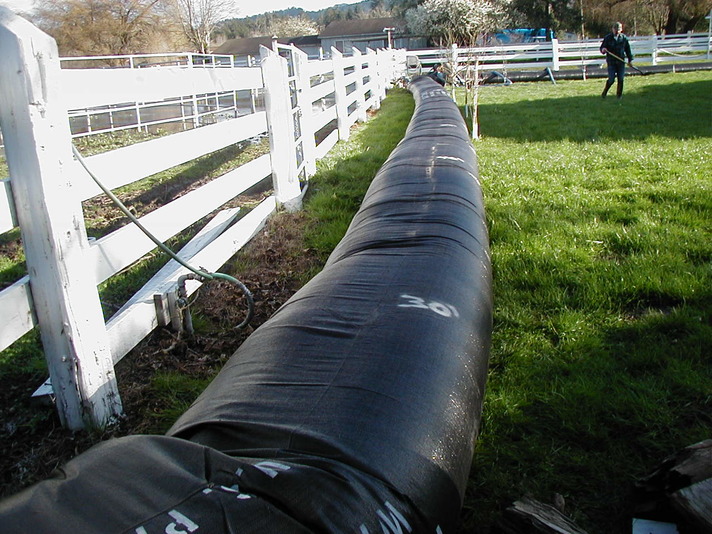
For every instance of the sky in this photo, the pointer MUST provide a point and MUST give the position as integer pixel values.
(247, 7)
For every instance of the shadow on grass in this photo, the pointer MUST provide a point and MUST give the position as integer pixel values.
(575, 408)
(676, 110)
(606, 409)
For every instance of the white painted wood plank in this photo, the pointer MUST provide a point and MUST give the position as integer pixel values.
(122, 247)
(325, 117)
(140, 310)
(316, 68)
(135, 162)
(352, 78)
(305, 118)
(352, 119)
(321, 90)
(327, 144)
(126, 330)
(217, 253)
(165, 275)
(16, 313)
(340, 94)
(281, 129)
(86, 88)
(370, 86)
(348, 61)
(359, 91)
(8, 220)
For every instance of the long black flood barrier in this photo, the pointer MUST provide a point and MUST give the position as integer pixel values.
(355, 408)
(591, 71)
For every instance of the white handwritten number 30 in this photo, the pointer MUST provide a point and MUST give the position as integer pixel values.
(446, 310)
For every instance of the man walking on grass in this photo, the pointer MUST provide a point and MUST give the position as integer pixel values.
(616, 48)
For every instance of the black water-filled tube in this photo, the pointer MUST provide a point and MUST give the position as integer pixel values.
(591, 71)
(355, 408)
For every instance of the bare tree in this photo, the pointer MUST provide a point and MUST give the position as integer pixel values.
(102, 27)
(647, 16)
(199, 18)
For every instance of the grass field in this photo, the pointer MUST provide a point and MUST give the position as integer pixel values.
(599, 214)
(600, 219)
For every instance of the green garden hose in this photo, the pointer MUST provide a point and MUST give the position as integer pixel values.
(200, 273)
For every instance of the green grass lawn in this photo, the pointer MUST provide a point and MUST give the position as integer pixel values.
(600, 220)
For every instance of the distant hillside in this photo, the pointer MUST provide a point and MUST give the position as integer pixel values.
(365, 6)
(257, 25)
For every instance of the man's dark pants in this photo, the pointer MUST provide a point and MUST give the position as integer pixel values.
(616, 69)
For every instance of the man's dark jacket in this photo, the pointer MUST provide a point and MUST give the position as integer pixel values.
(618, 45)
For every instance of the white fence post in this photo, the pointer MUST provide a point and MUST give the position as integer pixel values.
(383, 58)
(653, 49)
(342, 112)
(555, 63)
(66, 301)
(281, 136)
(301, 68)
(374, 78)
(360, 96)
(454, 59)
(397, 69)
(709, 35)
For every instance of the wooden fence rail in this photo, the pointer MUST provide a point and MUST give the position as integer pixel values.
(46, 186)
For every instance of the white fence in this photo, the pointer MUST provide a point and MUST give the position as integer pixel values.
(179, 112)
(556, 55)
(46, 186)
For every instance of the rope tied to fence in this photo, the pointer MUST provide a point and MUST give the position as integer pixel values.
(202, 275)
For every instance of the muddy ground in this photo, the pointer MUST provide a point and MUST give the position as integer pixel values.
(272, 266)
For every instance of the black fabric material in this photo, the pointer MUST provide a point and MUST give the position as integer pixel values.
(155, 484)
(355, 408)
(380, 360)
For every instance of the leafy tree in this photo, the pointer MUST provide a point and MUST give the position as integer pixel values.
(647, 16)
(553, 14)
(292, 27)
(685, 15)
(400, 7)
(449, 22)
(330, 15)
(233, 28)
(285, 23)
